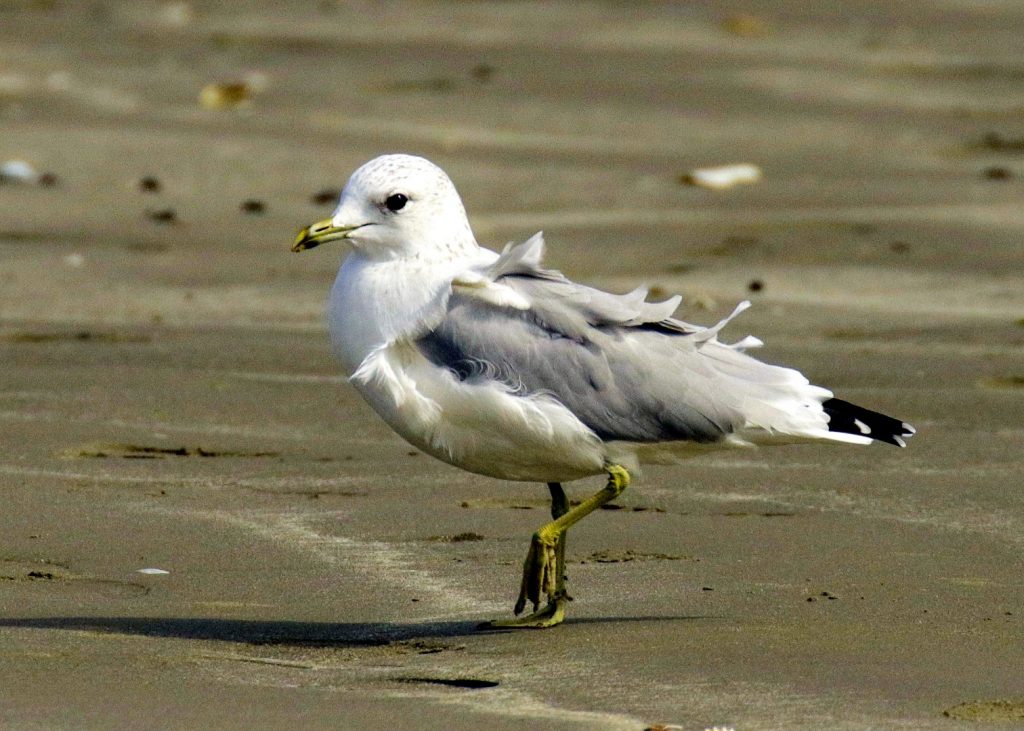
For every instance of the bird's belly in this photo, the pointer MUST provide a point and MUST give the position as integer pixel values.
(479, 426)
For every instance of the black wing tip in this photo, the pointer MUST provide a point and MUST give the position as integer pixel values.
(848, 418)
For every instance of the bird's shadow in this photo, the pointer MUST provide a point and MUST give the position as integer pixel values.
(289, 633)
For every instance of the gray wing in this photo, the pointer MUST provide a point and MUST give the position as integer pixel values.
(621, 365)
(566, 306)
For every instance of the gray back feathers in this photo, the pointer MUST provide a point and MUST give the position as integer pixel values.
(620, 364)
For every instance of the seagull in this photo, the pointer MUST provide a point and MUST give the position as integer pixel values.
(500, 366)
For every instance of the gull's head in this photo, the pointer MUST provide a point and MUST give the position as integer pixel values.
(396, 206)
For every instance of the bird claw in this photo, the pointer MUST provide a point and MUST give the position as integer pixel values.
(540, 575)
(540, 572)
(543, 573)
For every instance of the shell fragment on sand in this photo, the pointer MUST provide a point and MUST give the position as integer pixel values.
(18, 171)
(231, 94)
(723, 176)
(224, 95)
(22, 173)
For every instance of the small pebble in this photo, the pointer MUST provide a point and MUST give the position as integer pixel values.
(996, 141)
(482, 72)
(150, 184)
(224, 95)
(325, 196)
(755, 285)
(47, 180)
(162, 215)
(253, 206)
(997, 173)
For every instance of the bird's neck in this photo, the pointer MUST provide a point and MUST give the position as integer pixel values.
(375, 302)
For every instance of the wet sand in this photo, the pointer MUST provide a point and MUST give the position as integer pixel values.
(168, 401)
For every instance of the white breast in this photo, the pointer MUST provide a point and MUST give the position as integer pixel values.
(481, 427)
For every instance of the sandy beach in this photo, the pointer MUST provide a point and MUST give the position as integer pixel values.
(204, 526)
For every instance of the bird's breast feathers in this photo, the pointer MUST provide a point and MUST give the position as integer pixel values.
(483, 426)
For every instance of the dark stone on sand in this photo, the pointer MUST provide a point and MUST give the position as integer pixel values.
(325, 196)
(162, 215)
(997, 173)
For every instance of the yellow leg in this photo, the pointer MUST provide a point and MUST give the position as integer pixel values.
(544, 568)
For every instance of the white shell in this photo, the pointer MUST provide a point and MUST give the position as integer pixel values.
(18, 171)
(725, 176)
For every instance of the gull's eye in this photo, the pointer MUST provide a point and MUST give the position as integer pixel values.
(396, 202)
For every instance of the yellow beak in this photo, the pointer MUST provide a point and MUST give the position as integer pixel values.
(320, 233)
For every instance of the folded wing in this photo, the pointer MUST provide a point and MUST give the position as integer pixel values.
(623, 366)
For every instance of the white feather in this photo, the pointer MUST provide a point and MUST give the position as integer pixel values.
(483, 426)
(476, 285)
